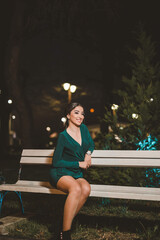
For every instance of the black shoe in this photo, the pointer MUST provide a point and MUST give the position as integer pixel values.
(65, 235)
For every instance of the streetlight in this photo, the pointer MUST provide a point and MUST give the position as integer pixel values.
(48, 129)
(9, 101)
(71, 89)
(63, 119)
(114, 107)
(134, 115)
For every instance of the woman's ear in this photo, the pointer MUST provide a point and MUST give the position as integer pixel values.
(68, 116)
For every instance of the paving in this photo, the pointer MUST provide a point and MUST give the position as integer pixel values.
(7, 223)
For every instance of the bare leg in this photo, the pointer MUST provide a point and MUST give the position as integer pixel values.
(85, 191)
(72, 187)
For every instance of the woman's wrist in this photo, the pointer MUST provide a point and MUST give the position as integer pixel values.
(89, 152)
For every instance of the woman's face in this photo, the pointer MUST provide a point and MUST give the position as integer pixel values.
(76, 116)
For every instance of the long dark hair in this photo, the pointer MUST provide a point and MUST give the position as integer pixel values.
(69, 108)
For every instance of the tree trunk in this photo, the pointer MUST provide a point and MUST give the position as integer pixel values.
(13, 83)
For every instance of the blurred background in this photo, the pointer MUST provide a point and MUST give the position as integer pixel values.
(46, 43)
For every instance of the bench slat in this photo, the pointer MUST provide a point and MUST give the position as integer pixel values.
(36, 160)
(106, 191)
(37, 152)
(100, 153)
(127, 162)
(100, 162)
(126, 154)
(125, 192)
(28, 186)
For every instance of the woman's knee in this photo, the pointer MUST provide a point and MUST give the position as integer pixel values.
(75, 189)
(86, 189)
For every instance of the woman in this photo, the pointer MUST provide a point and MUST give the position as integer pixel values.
(72, 155)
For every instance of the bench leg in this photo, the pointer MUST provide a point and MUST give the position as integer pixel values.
(4, 193)
(20, 198)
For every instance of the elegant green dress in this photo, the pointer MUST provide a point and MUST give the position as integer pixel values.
(68, 154)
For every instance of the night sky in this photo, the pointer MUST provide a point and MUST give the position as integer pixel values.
(91, 53)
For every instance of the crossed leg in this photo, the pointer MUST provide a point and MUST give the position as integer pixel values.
(78, 191)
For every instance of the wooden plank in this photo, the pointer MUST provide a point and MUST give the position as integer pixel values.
(123, 192)
(125, 162)
(126, 154)
(38, 152)
(36, 160)
(123, 189)
(31, 188)
(106, 191)
(101, 162)
(100, 153)
(132, 196)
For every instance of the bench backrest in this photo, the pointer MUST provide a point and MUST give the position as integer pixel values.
(101, 158)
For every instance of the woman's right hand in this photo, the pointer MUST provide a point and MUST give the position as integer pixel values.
(83, 165)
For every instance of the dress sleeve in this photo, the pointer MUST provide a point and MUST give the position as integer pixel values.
(91, 143)
(57, 160)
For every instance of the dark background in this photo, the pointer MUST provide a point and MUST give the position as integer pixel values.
(81, 42)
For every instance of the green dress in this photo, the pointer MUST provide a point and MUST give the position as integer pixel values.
(68, 154)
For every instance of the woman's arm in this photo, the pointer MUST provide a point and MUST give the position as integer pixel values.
(90, 140)
(87, 158)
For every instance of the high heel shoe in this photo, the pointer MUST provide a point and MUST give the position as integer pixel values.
(65, 235)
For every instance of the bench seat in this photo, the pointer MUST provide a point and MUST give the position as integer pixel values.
(100, 158)
(105, 191)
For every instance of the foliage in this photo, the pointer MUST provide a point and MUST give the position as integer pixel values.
(139, 96)
(150, 233)
(136, 122)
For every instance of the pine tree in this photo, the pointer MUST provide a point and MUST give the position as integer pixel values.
(140, 98)
(138, 115)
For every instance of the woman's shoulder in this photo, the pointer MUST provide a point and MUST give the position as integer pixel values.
(83, 126)
(63, 133)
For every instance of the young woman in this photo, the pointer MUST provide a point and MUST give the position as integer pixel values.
(72, 155)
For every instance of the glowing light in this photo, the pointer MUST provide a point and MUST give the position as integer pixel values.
(92, 110)
(63, 119)
(66, 86)
(48, 129)
(151, 99)
(152, 174)
(9, 101)
(73, 88)
(114, 107)
(134, 115)
(13, 117)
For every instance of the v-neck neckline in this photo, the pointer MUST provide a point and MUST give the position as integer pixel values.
(74, 139)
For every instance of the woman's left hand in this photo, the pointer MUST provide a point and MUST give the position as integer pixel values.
(87, 159)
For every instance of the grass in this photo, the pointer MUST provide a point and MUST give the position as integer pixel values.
(99, 219)
(117, 220)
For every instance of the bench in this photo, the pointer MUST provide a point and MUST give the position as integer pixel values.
(100, 158)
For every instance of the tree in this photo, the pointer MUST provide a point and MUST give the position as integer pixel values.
(138, 114)
(63, 21)
(136, 122)
(12, 73)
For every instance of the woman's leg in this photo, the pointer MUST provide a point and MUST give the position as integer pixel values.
(85, 191)
(73, 188)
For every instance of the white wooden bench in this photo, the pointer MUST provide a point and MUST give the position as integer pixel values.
(100, 158)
